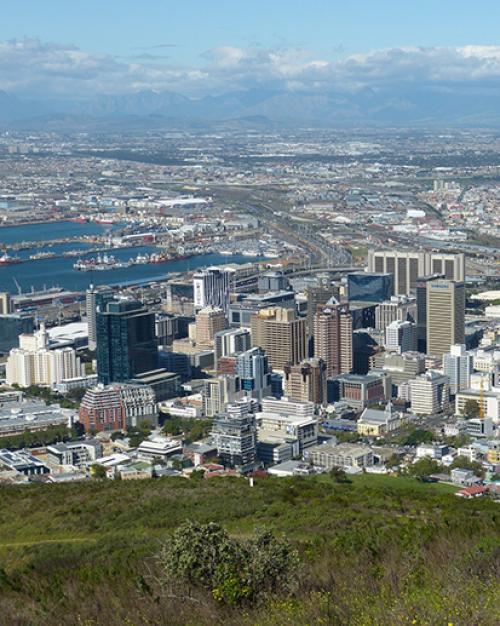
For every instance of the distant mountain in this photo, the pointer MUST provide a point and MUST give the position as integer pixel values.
(391, 104)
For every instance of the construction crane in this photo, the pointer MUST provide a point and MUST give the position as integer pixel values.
(481, 399)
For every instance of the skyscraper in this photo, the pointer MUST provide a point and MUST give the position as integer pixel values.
(333, 338)
(401, 337)
(209, 321)
(408, 266)
(421, 311)
(96, 299)
(126, 342)
(445, 315)
(212, 286)
(227, 342)
(5, 303)
(253, 371)
(370, 286)
(306, 382)
(458, 366)
(281, 333)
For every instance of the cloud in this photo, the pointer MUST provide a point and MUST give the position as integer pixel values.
(36, 68)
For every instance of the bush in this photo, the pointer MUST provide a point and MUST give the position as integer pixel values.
(204, 556)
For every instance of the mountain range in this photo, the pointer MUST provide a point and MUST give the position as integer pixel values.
(388, 105)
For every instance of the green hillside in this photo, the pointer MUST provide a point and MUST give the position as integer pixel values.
(376, 551)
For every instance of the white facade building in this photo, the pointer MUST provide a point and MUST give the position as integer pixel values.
(429, 393)
(33, 363)
(458, 366)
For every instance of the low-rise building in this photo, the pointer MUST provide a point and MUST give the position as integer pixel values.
(76, 453)
(158, 447)
(378, 423)
(23, 462)
(344, 455)
(362, 390)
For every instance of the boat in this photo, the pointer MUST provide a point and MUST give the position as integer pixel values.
(42, 255)
(5, 259)
(103, 220)
(78, 220)
(100, 264)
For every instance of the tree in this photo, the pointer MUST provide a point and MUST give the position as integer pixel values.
(464, 463)
(423, 468)
(471, 409)
(339, 475)
(204, 556)
(419, 435)
(98, 471)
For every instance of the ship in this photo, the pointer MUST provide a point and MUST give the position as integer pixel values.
(42, 255)
(78, 220)
(100, 264)
(6, 259)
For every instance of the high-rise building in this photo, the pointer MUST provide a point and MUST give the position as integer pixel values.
(317, 295)
(281, 333)
(34, 363)
(227, 342)
(212, 286)
(370, 286)
(408, 266)
(398, 308)
(429, 393)
(13, 325)
(5, 303)
(421, 312)
(401, 337)
(445, 315)
(96, 298)
(209, 321)
(400, 367)
(217, 393)
(458, 366)
(117, 407)
(307, 381)
(272, 281)
(126, 342)
(235, 438)
(333, 338)
(253, 371)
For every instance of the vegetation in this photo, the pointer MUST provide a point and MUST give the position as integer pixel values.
(190, 428)
(378, 550)
(234, 571)
(70, 401)
(137, 434)
(471, 409)
(424, 467)
(46, 437)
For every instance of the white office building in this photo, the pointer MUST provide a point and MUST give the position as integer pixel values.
(429, 393)
(458, 366)
(34, 363)
(212, 287)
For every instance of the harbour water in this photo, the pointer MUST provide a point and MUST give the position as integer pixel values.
(59, 271)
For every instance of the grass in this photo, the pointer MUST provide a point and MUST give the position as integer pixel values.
(80, 553)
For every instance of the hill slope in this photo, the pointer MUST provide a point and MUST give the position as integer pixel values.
(377, 551)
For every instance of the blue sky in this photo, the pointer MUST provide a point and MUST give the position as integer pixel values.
(121, 27)
(196, 47)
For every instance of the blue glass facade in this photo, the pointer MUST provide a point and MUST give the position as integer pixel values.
(126, 342)
(370, 287)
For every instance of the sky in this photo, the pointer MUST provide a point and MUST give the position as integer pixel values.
(208, 46)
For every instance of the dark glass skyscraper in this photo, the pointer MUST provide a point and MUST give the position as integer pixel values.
(126, 342)
(370, 287)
